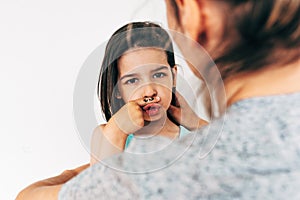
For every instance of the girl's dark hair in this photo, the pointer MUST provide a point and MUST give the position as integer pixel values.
(130, 36)
(257, 34)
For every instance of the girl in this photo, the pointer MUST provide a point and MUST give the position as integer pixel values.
(136, 87)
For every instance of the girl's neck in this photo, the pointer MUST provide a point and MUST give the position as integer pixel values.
(163, 127)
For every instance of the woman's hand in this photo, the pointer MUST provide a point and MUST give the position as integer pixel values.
(184, 115)
(49, 188)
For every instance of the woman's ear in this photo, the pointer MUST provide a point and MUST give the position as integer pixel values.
(191, 18)
(203, 21)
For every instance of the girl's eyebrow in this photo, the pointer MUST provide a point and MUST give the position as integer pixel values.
(135, 74)
(160, 68)
(128, 76)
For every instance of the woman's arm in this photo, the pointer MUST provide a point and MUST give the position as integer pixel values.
(184, 115)
(48, 189)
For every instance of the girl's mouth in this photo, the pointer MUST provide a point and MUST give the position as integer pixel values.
(152, 109)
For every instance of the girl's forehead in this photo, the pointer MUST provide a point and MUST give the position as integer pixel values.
(142, 58)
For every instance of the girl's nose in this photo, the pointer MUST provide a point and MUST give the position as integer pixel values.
(149, 90)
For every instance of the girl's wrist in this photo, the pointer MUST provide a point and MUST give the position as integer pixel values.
(114, 134)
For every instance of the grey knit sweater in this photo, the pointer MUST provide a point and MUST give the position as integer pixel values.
(251, 152)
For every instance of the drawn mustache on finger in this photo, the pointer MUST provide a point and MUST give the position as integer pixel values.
(148, 99)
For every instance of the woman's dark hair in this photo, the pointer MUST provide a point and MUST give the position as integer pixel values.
(130, 36)
(257, 34)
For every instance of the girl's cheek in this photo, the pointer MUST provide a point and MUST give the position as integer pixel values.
(127, 93)
(133, 95)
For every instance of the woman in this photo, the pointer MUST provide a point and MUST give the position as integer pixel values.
(256, 47)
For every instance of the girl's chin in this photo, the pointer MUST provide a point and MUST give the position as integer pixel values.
(156, 117)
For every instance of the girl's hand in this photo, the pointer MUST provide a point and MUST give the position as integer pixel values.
(130, 118)
(109, 139)
(184, 115)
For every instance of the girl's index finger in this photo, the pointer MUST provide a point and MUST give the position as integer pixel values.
(146, 100)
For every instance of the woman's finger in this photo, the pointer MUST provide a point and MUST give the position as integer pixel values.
(180, 100)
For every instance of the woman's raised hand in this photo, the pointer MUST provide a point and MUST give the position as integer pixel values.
(184, 115)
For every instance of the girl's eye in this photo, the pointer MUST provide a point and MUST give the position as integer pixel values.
(131, 81)
(159, 75)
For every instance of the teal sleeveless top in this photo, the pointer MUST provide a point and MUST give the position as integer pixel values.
(183, 131)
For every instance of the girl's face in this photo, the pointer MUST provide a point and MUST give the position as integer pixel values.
(146, 73)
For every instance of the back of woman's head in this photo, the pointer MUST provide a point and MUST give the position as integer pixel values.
(268, 33)
(256, 34)
(131, 36)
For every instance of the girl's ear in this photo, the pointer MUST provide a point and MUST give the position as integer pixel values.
(117, 94)
(174, 72)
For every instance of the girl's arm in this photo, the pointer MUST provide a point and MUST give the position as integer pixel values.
(110, 139)
(48, 189)
(107, 140)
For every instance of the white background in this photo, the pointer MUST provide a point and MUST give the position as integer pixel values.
(42, 47)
